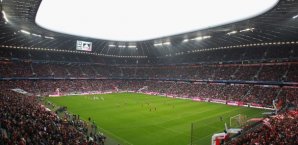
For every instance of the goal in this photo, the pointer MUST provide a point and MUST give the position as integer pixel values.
(238, 121)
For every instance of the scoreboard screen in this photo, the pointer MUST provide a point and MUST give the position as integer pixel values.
(84, 45)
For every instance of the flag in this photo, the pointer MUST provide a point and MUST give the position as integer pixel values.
(267, 123)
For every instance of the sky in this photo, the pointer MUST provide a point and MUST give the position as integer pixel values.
(140, 20)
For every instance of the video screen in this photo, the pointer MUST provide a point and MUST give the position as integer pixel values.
(84, 45)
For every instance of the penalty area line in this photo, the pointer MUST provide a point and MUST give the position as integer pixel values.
(110, 133)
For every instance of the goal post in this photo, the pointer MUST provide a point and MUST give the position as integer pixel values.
(238, 121)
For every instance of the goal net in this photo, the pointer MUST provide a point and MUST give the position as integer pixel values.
(238, 121)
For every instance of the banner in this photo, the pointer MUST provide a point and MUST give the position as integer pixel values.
(218, 101)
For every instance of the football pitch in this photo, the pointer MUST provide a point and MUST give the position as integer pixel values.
(139, 119)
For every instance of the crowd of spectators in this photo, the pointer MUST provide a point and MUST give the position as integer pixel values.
(278, 73)
(21, 113)
(278, 130)
(25, 121)
(256, 72)
(257, 94)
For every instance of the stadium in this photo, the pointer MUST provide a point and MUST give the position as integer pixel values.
(139, 72)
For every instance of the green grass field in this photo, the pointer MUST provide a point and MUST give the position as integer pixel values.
(131, 118)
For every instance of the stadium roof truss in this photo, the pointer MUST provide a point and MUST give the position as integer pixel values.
(20, 28)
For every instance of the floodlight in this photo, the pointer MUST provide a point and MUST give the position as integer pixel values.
(185, 40)
(158, 44)
(25, 32)
(132, 46)
(36, 35)
(232, 32)
(48, 37)
(248, 29)
(4, 16)
(167, 43)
